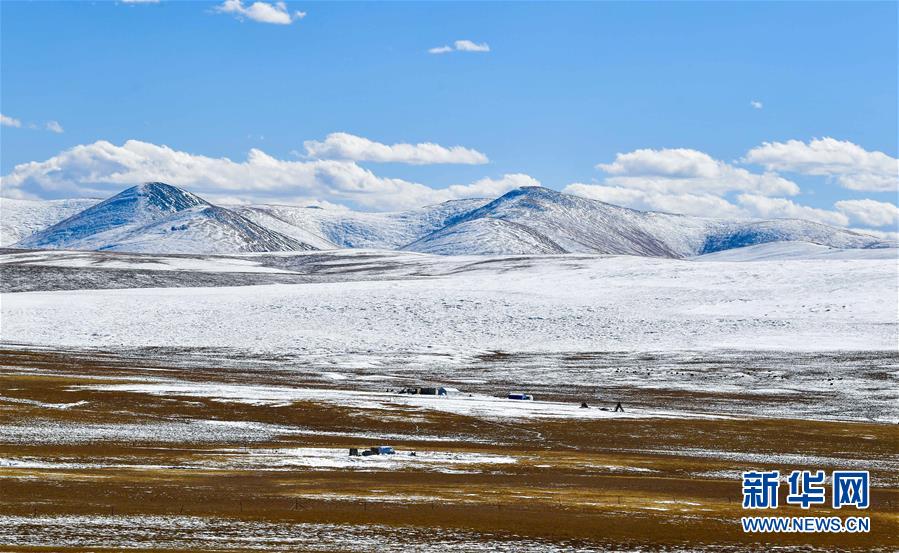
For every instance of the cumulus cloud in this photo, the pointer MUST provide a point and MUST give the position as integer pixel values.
(782, 208)
(869, 212)
(861, 212)
(102, 168)
(686, 181)
(887, 235)
(342, 145)
(686, 171)
(461, 46)
(848, 164)
(703, 205)
(263, 12)
(694, 183)
(755, 104)
(487, 187)
(8, 121)
(54, 126)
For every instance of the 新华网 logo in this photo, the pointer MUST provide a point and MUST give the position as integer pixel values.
(805, 489)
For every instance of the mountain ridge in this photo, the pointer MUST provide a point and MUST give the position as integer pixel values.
(160, 218)
(156, 217)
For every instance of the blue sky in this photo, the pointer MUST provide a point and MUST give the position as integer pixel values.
(563, 88)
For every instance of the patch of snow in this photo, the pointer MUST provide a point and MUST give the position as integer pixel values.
(472, 405)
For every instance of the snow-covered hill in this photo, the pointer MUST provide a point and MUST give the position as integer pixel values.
(485, 236)
(343, 228)
(565, 223)
(781, 251)
(559, 222)
(725, 235)
(22, 218)
(354, 301)
(159, 218)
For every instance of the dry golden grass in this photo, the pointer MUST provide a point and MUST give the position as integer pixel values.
(566, 484)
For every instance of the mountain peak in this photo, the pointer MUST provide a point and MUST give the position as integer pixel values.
(159, 196)
(155, 216)
(158, 217)
(533, 192)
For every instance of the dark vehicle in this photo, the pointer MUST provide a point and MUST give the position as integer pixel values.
(376, 450)
(435, 391)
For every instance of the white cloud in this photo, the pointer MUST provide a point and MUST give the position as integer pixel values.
(755, 104)
(782, 208)
(262, 12)
(869, 212)
(686, 171)
(702, 205)
(694, 183)
(469, 46)
(340, 145)
(861, 212)
(487, 187)
(617, 195)
(8, 121)
(102, 168)
(52, 126)
(882, 234)
(674, 162)
(461, 46)
(850, 165)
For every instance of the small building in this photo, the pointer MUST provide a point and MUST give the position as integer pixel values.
(520, 396)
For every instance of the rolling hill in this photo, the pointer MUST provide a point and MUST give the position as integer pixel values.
(159, 218)
(552, 222)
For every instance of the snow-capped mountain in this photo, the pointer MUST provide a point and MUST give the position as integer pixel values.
(342, 228)
(22, 218)
(541, 220)
(159, 218)
(557, 222)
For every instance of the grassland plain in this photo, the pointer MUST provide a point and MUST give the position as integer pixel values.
(87, 465)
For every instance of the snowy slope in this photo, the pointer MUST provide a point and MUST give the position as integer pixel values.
(582, 225)
(22, 218)
(725, 235)
(519, 304)
(486, 236)
(353, 229)
(159, 218)
(571, 223)
(777, 251)
(290, 221)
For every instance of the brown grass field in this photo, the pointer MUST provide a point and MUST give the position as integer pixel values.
(619, 484)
